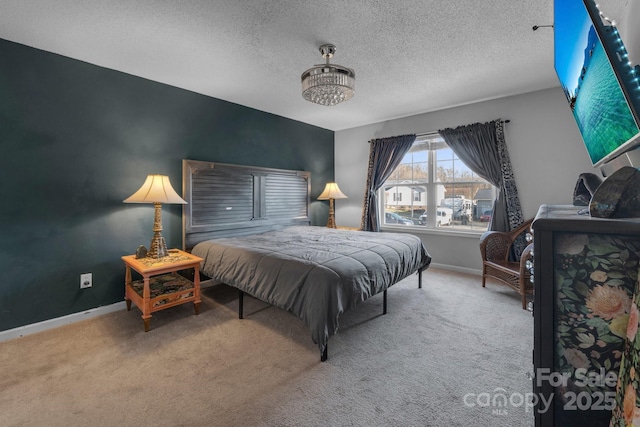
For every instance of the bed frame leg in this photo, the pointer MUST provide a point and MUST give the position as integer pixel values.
(420, 279)
(240, 303)
(384, 302)
(323, 355)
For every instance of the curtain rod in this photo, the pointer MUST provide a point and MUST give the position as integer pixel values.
(436, 132)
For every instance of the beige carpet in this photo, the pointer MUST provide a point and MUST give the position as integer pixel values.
(411, 367)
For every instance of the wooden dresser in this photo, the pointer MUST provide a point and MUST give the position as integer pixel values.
(585, 271)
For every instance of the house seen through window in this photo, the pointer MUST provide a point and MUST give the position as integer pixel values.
(439, 190)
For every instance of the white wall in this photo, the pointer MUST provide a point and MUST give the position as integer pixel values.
(544, 144)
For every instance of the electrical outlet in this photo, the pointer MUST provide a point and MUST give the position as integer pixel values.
(85, 280)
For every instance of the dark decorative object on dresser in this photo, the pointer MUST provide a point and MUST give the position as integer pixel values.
(618, 196)
(586, 186)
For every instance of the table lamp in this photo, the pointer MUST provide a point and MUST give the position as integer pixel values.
(156, 189)
(331, 192)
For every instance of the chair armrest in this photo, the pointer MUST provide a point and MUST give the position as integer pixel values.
(496, 245)
(527, 254)
(522, 228)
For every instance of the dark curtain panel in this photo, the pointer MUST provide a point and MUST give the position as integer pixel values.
(482, 147)
(385, 155)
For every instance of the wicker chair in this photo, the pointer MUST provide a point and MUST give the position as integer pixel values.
(495, 247)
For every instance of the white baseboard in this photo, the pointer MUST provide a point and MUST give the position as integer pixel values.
(99, 311)
(456, 269)
(60, 321)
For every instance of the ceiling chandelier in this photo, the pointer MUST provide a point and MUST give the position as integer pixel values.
(328, 84)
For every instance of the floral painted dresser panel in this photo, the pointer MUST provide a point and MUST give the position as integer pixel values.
(585, 271)
(595, 280)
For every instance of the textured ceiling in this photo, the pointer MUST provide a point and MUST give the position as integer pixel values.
(410, 56)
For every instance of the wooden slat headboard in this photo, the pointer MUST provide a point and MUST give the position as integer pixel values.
(225, 200)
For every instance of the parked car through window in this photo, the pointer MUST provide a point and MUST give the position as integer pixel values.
(393, 218)
(444, 217)
(486, 216)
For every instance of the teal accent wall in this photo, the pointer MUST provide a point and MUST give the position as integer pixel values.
(77, 139)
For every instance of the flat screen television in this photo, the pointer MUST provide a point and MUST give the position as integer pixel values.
(600, 104)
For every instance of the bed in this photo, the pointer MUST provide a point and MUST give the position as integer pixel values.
(270, 251)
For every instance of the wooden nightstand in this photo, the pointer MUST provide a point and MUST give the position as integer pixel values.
(161, 286)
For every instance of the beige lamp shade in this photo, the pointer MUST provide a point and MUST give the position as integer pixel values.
(156, 189)
(331, 191)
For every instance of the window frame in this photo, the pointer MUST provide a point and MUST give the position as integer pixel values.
(433, 142)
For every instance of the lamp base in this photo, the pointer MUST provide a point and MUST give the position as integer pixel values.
(331, 223)
(158, 248)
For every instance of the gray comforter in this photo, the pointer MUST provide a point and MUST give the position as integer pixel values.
(315, 273)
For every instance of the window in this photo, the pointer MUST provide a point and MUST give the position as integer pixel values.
(441, 191)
